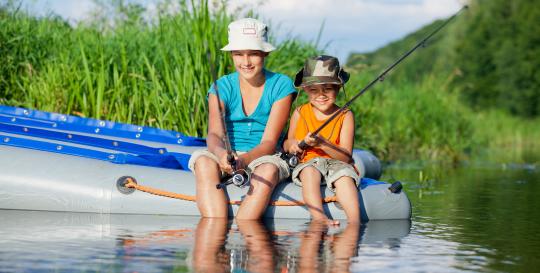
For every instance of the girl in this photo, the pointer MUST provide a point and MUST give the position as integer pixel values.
(256, 103)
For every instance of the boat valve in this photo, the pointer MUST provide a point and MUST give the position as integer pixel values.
(395, 187)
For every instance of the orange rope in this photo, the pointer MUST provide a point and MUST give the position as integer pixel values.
(132, 184)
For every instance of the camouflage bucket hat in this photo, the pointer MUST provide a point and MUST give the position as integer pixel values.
(320, 70)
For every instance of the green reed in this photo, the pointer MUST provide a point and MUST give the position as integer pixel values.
(157, 74)
(154, 74)
(407, 120)
(507, 138)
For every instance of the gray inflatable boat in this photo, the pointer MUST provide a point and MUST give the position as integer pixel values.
(55, 162)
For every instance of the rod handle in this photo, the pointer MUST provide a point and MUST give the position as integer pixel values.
(230, 159)
(303, 145)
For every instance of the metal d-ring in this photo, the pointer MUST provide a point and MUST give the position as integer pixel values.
(121, 182)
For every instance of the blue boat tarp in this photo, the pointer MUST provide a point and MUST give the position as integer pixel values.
(43, 131)
(35, 118)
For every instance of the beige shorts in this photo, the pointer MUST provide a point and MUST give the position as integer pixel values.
(330, 169)
(282, 166)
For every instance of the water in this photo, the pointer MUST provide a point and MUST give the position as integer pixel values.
(480, 218)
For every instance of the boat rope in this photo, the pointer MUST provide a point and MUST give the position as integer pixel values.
(130, 183)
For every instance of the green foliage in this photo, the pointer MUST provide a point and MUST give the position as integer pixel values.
(124, 69)
(498, 56)
(416, 66)
(489, 53)
(122, 66)
(23, 46)
(509, 138)
(405, 120)
(485, 58)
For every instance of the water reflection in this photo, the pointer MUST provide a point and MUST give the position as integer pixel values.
(314, 257)
(463, 220)
(209, 253)
(52, 241)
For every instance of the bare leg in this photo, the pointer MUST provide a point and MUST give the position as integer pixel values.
(344, 247)
(259, 246)
(208, 253)
(347, 196)
(311, 192)
(310, 246)
(211, 202)
(263, 180)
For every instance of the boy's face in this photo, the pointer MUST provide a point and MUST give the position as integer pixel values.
(248, 63)
(322, 96)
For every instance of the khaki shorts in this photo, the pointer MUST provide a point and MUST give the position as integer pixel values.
(330, 169)
(274, 159)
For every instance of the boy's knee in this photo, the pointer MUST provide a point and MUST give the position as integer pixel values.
(310, 172)
(344, 181)
(314, 182)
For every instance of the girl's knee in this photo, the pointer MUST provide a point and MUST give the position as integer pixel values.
(206, 171)
(264, 178)
(267, 171)
(204, 163)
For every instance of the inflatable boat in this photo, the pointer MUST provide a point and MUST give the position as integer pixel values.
(57, 162)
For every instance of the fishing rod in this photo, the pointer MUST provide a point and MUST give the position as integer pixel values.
(381, 76)
(239, 177)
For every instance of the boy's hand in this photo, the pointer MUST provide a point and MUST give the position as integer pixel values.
(311, 140)
(294, 148)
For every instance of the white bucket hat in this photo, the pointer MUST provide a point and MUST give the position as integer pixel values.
(248, 34)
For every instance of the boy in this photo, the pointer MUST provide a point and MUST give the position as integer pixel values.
(327, 159)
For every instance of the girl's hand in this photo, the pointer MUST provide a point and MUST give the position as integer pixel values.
(225, 165)
(240, 163)
(312, 141)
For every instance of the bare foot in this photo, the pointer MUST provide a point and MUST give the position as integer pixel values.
(327, 221)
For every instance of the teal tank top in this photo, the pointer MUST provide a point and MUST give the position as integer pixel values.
(245, 132)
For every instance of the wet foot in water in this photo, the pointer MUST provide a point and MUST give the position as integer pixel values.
(326, 221)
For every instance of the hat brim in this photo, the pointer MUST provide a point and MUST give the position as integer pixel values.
(313, 80)
(261, 46)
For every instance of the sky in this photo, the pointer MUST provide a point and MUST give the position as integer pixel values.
(349, 25)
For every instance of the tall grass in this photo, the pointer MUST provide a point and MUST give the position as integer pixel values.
(154, 74)
(507, 138)
(407, 120)
(157, 74)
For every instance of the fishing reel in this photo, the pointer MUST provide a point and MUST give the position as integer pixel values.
(239, 178)
(291, 159)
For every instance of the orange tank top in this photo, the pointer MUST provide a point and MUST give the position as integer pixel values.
(309, 123)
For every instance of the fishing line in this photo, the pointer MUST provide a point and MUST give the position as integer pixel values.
(239, 177)
(381, 77)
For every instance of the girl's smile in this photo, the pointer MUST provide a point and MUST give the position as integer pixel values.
(249, 63)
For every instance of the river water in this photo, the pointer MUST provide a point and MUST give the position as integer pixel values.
(477, 217)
